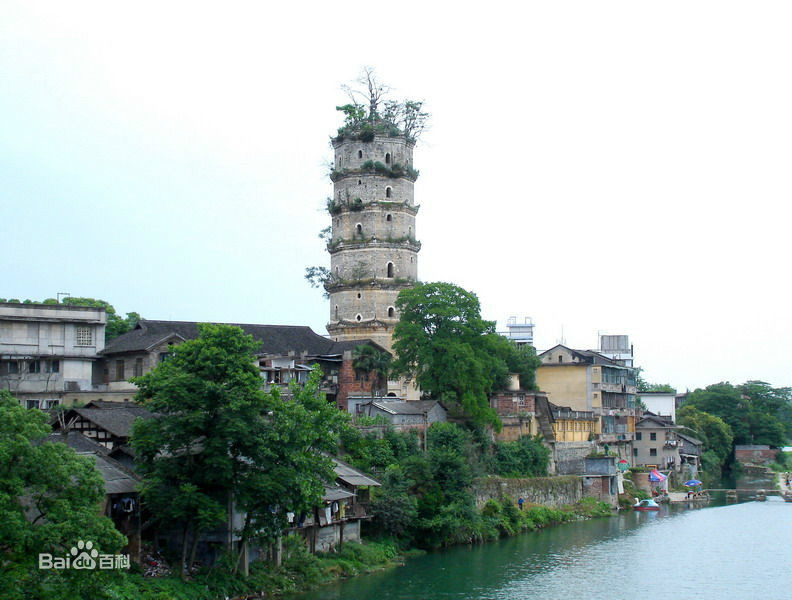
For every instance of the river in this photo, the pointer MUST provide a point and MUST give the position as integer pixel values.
(729, 552)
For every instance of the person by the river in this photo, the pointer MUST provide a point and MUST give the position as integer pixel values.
(520, 502)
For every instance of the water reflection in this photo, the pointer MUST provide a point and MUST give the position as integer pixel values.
(737, 551)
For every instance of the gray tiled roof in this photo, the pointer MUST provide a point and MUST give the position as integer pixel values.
(351, 476)
(116, 421)
(274, 339)
(117, 479)
(407, 408)
(76, 440)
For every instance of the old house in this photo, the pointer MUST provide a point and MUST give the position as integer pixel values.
(657, 443)
(690, 450)
(109, 424)
(48, 351)
(521, 412)
(343, 508)
(122, 498)
(415, 416)
(587, 381)
(286, 354)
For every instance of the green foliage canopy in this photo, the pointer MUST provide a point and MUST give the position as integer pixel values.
(218, 438)
(453, 354)
(50, 498)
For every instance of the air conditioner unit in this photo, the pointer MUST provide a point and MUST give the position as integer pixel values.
(72, 386)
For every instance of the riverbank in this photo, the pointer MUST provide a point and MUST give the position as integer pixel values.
(302, 571)
(603, 558)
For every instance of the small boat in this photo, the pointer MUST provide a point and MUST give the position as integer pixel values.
(647, 504)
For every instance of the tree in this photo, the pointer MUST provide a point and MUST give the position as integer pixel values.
(50, 498)
(751, 410)
(219, 441)
(645, 386)
(375, 364)
(368, 112)
(715, 434)
(453, 354)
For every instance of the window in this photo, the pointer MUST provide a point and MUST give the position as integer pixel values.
(387, 158)
(163, 356)
(388, 192)
(560, 358)
(119, 370)
(360, 153)
(388, 218)
(652, 451)
(359, 295)
(336, 312)
(138, 367)
(83, 336)
(13, 367)
(358, 318)
(638, 435)
(53, 366)
(389, 270)
(653, 436)
(360, 182)
(34, 366)
(359, 229)
(391, 312)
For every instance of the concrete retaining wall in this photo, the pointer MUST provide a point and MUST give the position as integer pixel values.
(549, 491)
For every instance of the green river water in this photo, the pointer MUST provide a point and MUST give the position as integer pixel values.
(730, 552)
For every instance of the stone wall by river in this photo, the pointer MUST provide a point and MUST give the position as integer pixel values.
(550, 491)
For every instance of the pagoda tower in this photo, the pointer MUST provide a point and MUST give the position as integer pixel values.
(373, 250)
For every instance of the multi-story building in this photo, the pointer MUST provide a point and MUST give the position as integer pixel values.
(520, 332)
(657, 443)
(48, 351)
(586, 381)
(373, 248)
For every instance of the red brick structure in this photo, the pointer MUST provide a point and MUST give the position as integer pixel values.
(755, 455)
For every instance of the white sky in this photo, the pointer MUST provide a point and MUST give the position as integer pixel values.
(613, 166)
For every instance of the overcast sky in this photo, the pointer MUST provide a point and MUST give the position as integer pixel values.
(621, 167)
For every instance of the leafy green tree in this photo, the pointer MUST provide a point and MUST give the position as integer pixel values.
(375, 364)
(751, 410)
(645, 386)
(219, 439)
(393, 508)
(50, 498)
(521, 360)
(442, 341)
(715, 434)
(524, 457)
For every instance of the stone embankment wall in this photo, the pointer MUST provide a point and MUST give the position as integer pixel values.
(570, 457)
(549, 491)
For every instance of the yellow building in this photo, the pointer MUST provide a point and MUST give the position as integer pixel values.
(585, 381)
(574, 425)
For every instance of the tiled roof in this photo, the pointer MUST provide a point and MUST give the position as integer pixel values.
(117, 479)
(351, 476)
(407, 408)
(116, 421)
(274, 339)
(76, 440)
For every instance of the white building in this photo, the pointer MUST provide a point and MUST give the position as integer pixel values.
(660, 403)
(47, 350)
(617, 348)
(521, 333)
